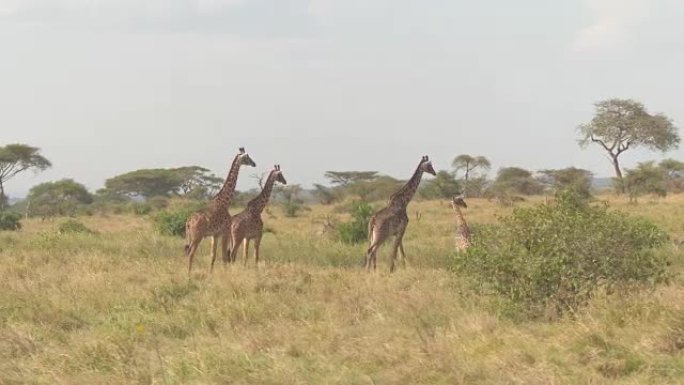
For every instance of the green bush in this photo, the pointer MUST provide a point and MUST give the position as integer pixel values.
(356, 230)
(172, 222)
(72, 226)
(554, 256)
(292, 208)
(158, 203)
(141, 208)
(10, 220)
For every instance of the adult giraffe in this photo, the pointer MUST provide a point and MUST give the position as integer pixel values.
(214, 220)
(392, 219)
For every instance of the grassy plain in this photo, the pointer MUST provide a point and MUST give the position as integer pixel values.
(117, 307)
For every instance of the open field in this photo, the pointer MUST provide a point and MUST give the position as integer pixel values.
(117, 307)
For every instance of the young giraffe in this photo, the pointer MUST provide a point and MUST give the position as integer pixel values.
(392, 220)
(214, 220)
(248, 224)
(462, 230)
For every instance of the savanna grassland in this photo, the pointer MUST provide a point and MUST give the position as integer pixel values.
(117, 307)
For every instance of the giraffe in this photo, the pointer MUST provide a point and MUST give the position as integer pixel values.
(214, 220)
(462, 230)
(248, 224)
(392, 219)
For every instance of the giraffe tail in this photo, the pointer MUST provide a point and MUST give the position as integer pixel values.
(371, 225)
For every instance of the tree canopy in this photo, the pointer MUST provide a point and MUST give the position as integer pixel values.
(622, 124)
(191, 181)
(57, 198)
(345, 178)
(674, 174)
(516, 180)
(443, 186)
(646, 178)
(469, 163)
(17, 158)
(575, 179)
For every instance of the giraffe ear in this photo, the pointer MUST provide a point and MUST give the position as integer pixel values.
(242, 150)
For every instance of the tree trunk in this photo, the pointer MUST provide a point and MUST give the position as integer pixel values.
(618, 174)
(465, 184)
(3, 198)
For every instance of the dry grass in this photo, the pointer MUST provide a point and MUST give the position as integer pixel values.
(117, 308)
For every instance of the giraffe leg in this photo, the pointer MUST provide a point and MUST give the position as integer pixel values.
(403, 254)
(257, 243)
(370, 254)
(377, 239)
(214, 244)
(191, 253)
(246, 249)
(225, 248)
(234, 247)
(397, 244)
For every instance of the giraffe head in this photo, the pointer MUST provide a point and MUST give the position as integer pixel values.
(426, 166)
(278, 175)
(244, 158)
(459, 202)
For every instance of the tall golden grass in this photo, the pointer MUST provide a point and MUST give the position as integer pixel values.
(117, 307)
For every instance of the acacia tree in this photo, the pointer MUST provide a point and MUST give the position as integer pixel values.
(443, 186)
(16, 158)
(58, 198)
(621, 124)
(197, 178)
(191, 181)
(646, 178)
(674, 173)
(516, 180)
(468, 163)
(574, 179)
(346, 178)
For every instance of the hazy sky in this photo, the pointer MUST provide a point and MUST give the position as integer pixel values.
(105, 87)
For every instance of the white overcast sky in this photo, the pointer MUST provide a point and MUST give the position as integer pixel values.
(109, 86)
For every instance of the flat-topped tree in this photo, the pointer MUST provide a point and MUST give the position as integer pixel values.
(469, 163)
(346, 178)
(622, 124)
(17, 158)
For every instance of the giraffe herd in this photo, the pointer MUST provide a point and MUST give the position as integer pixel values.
(215, 221)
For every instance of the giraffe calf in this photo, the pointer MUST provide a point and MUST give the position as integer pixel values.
(463, 240)
(248, 224)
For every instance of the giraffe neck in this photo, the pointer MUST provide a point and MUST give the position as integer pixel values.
(402, 197)
(258, 204)
(460, 219)
(224, 195)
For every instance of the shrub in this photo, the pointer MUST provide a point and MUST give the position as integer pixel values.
(555, 256)
(172, 222)
(291, 208)
(10, 220)
(158, 203)
(356, 230)
(72, 226)
(140, 208)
